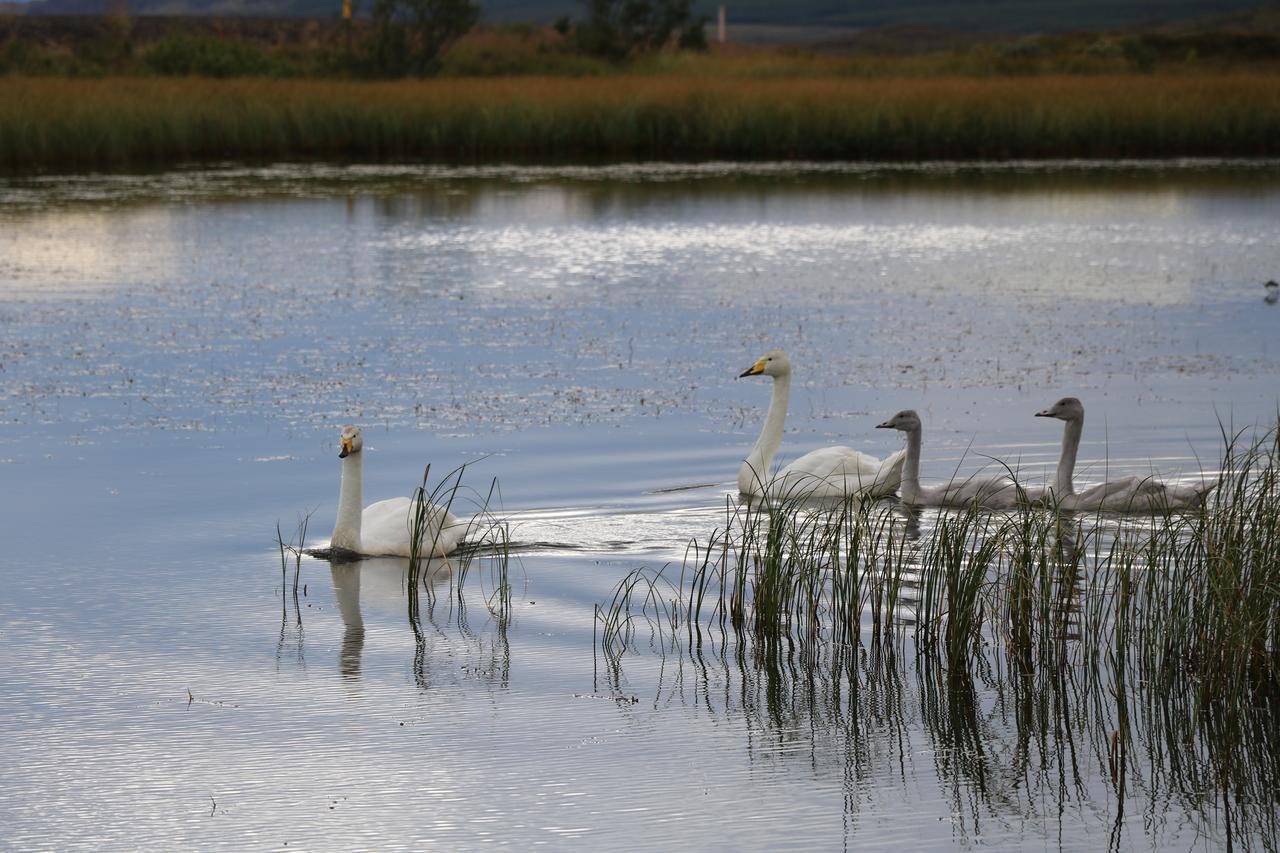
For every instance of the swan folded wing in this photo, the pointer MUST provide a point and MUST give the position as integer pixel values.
(994, 492)
(386, 528)
(1138, 494)
(1125, 494)
(837, 471)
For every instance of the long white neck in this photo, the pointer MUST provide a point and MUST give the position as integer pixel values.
(909, 490)
(754, 473)
(1071, 432)
(346, 532)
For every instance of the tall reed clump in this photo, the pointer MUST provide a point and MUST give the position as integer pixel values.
(1208, 600)
(62, 123)
(1186, 603)
(485, 543)
(1152, 641)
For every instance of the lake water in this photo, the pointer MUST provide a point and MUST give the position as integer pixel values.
(178, 352)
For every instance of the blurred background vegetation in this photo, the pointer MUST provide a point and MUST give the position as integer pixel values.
(622, 79)
(418, 38)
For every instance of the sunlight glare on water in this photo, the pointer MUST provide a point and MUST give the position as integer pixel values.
(179, 350)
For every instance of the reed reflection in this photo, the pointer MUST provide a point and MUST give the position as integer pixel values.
(1087, 661)
(430, 597)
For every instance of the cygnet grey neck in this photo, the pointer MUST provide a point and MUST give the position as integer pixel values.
(909, 489)
(1071, 431)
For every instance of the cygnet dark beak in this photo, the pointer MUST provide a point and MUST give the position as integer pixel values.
(885, 425)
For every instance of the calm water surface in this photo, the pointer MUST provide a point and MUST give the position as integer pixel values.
(178, 352)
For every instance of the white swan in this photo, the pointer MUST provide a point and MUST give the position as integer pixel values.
(994, 492)
(1128, 494)
(830, 472)
(384, 529)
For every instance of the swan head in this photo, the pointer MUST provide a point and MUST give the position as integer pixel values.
(774, 363)
(1066, 409)
(907, 420)
(351, 440)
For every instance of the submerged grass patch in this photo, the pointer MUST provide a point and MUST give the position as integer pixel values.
(61, 123)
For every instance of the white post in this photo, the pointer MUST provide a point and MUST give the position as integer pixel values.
(720, 34)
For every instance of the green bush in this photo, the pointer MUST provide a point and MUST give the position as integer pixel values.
(205, 56)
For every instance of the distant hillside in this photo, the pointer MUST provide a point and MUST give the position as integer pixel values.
(962, 15)
(958, 15)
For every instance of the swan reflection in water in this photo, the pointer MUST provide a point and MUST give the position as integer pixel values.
(379, 586)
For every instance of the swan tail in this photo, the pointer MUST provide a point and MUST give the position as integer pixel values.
(1202, 491)
(481, 528)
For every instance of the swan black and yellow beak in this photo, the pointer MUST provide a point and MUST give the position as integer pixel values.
(346, 449)
(755, 369)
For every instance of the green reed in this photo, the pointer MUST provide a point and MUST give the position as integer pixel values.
(1186, 604)
(51, 123)
(294, 548)
(1135, 652)
(485, 540)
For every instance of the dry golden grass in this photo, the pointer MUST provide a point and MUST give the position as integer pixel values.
(59, 123)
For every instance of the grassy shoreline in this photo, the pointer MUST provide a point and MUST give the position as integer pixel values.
(54, 124)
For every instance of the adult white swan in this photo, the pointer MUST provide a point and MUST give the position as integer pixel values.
(1128, 494)
(385, 528)
(830, 472)
(996, 492)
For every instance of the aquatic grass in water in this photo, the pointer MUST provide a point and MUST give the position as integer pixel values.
(56, 123)
(486, 539)
(294, 548)
(1046, 583)
(1149, 642)
(1187, 600)
(484, 546)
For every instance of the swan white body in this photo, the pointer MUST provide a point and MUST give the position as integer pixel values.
(995, 492)
(385, 528)
(833, 472)
(830, 472)
(1127, 494)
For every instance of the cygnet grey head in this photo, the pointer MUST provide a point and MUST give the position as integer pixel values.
(352, 441)
(773, 363)
(1066, 409)
(907, 420)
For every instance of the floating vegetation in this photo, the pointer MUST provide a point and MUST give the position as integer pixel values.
(1153, 639)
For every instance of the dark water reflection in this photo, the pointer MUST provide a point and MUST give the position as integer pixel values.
(1011, 756)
